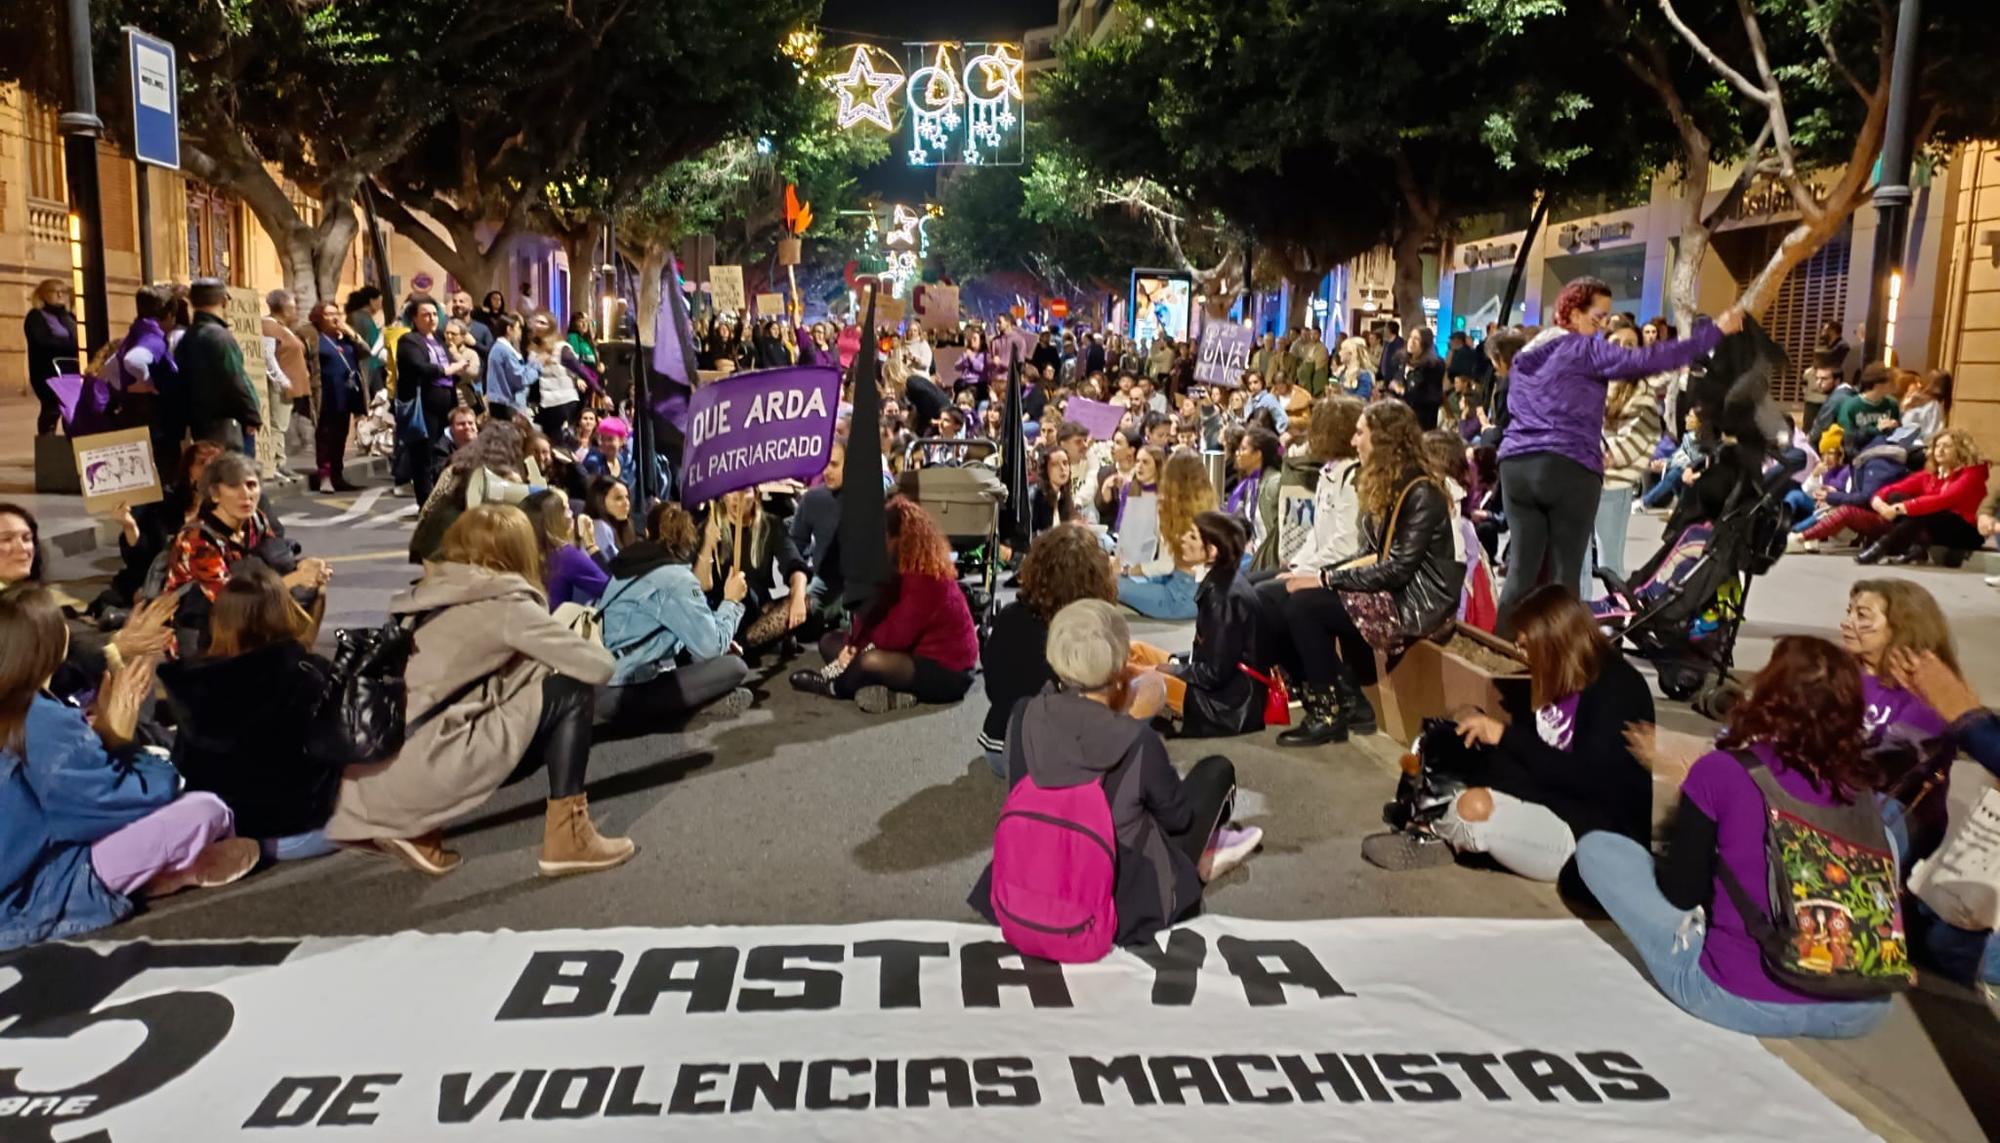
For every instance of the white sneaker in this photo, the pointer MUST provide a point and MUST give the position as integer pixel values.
(1993, 581)
(1231, 848)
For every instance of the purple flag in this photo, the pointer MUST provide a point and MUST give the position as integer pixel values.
(673, 351)
(751, 428)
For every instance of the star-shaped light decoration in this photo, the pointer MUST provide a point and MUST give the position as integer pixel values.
(1001, 70)
(903, 227)
(865, 91)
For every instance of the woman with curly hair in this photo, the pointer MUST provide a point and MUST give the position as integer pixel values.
(1064, 564)
(1801, 727)
(1404, 585)
(1165, 586)
(1938, 506)
(915, 643)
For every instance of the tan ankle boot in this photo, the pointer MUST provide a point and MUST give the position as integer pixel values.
(571, 844)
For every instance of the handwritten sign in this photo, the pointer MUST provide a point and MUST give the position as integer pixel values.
(936, 307)
(770, 305)
(116, 467)
(756, 427)
(725, 286)
(1225, 354)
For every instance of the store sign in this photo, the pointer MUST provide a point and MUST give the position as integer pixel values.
(1361, 1030)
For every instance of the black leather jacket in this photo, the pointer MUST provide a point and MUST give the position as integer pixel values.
(1221, 699)
(1418, 568)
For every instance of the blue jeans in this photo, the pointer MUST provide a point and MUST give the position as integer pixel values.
(1159, 597)
(1662, 494)
(997, 762)
(1620, 874)
(1614, 519)
(299, 846)
(1802, 506)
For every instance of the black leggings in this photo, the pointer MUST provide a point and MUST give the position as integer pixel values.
(1944, 529)
(678, 691)
(928, 679)
(1209, 790)
(1323, 640)
(1551, 511)
(562, 738)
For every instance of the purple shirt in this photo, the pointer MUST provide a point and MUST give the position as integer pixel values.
(1555, 398)
(573, 577)
(1718, 785)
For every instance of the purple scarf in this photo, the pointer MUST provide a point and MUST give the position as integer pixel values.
(145, 334)
(1243, 498)
(435, 348)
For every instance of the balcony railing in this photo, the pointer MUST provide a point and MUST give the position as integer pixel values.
(48, 221)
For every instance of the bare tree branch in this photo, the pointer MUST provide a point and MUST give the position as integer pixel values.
(1774, 106)
(1736, 78)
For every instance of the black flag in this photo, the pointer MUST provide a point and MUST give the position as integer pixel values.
(864, 554)
(1016, 521)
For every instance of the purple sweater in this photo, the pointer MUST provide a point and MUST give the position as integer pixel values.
(1556, 396)
(573, 577)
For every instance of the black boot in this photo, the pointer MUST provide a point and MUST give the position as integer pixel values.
(1872, 554)
(812, 682)
(1322, 723)
(1355, 714)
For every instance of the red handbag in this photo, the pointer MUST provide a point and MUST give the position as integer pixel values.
(1277, 700)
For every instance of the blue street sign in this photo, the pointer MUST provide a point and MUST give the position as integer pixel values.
(156, 100)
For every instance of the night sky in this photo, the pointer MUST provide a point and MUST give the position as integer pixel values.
(899, 20)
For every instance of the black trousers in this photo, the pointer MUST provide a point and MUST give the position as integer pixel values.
(679, 691)
(330, 443)
(50, 413)
(1551, 511)
(1944, 529)
(1209, 789)
(561, 744)
(928, 679)
(439, 401)
(1323, 639)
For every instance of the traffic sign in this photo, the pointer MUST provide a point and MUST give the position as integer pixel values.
(156, 100)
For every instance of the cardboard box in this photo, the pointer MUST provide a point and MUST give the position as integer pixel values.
(1431, 682)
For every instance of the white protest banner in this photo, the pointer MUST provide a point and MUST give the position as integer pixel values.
(116, 467)
(725, 288)
(1362, 1030)
(1225, 354)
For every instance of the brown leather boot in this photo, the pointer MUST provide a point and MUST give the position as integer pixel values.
(571, 843)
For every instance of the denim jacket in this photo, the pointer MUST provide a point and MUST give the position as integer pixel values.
(650, 619)
(64, 795)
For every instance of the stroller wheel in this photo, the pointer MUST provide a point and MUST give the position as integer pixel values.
(1716, 700)
(1398, 851)
(1678, 682)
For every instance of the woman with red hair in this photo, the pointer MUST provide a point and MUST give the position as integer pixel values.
(1801, 728)
(915, 643)
(1552, 455)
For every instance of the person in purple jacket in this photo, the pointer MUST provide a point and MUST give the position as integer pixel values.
(568, 572)
(1803, 719)
(1552, 456)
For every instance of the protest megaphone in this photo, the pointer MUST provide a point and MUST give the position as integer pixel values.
(489, 487)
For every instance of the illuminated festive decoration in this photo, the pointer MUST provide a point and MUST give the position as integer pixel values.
(903, 226)
(969, 113)
(934, 95)
(992, 84)
(865, 89)
(905, 244)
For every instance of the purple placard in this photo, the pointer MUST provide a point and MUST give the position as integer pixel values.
(1225, 354)
(1100, 418)
(751, 428)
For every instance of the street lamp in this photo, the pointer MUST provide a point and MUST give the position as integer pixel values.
(1892, 189)
(81, 128)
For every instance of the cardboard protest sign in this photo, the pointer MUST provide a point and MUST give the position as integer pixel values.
(770, 305)
(888, 311)
(751, 428)
(1097, 416)
(936, 307)
(944, 363)
(1225, 354)
(116, 467)
(725, 287)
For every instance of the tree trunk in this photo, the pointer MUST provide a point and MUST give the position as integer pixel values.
(580, 244)
(1303, 282)
(1799, 244)
(1408, 291)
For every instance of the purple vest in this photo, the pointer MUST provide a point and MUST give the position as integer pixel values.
(145, 333)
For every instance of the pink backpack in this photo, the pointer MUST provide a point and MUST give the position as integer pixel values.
(1055, 866)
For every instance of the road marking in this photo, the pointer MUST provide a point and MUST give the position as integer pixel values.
(405, 512)
(362, 504)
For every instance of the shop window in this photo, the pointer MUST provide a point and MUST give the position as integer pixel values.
(215, 235)
(45, 151)
(1815, 292)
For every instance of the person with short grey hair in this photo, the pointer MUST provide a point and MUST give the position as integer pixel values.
(1173, 832)
(287, 383)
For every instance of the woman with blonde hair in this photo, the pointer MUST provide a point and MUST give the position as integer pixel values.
(1404, 585)
(50, 330)
(1166, 585)
(1936, 507)
(498, 689)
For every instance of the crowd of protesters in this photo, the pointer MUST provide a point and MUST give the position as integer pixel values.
(1312, 519)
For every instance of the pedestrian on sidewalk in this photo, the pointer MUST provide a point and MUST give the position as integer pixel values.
(51, 334)
(342, 395)
(286, 381)
(221, 405)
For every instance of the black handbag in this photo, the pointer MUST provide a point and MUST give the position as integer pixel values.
(364, 716)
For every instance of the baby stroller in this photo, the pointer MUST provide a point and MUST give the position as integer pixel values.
(1436, 771)
(1682, 609)
(964, 501)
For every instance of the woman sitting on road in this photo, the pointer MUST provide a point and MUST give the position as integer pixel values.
(655, 616)
(747, 527)
(89, 823)
(568, 572)
(1543, 786)
(609, 508)
(1803, 720)
(915, 643)
(1938, 506)
(498, 690)
(232, 527)
(1907, 741)
(1404, 586)
(1209, 692)
(1051, 498)
(1165, 587)
(148, 531)
(1173, 832)
(243, 709)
